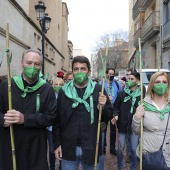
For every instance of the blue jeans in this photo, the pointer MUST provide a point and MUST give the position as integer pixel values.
(101, 163)
(73, 165)
(134, 140)
(128, 149)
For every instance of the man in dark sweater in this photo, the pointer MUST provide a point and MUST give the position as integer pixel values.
(75, 129)
(33, 109)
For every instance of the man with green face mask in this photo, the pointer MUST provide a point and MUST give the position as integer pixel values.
(75, 129)
(124, 108)
(33, 109)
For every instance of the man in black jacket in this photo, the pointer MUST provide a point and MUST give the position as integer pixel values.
(124, 108)
(75, 129)
(34, 108)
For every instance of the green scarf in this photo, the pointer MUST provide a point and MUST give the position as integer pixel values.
(149, 107)
(19, 82)
(70, 91)
(131, 95)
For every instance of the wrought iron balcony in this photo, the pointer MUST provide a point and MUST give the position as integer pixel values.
(151, 25)
(137, 8)
(146, 3)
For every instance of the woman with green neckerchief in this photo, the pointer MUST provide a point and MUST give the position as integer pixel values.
(33, 110)
(124, 109)
(57, 84)
(155, 110)
(75, 129)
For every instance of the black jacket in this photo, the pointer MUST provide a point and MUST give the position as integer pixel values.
(30, 138)
(122, 109)
(69, 121)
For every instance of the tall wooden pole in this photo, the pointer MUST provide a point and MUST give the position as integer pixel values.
(100, 110)
(10, 96)
(141, 100)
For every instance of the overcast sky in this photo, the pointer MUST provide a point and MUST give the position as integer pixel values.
(89, 19)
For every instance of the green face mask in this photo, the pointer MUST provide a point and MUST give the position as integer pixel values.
(130, 83)
(160, 89)
(57, 88)
(80, 77)
(31, 72)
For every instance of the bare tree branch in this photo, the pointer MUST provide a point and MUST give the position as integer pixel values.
(117, 52)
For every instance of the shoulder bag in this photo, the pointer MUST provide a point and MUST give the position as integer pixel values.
(155, 160)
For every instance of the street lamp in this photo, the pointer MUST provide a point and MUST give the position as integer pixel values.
(44, 21)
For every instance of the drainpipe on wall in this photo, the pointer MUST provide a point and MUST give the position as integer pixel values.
(161, 33)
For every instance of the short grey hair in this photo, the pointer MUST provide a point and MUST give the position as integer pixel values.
(32, 50)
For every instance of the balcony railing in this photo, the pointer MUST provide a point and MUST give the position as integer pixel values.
(138, 34)
(166, 31)
(137, 8)
(151, 25)
(146, 3)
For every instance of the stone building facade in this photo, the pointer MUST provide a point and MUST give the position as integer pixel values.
(165, 23)
(150, 22)
(25, 32)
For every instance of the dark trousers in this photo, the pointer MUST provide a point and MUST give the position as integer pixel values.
(52, 158)
(112, 137)
(51, 150)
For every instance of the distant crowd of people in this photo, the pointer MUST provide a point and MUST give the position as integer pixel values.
(61, 117)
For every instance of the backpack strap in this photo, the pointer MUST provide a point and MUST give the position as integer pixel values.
(117, 84)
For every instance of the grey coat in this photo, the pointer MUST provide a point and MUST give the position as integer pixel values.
(153, 131)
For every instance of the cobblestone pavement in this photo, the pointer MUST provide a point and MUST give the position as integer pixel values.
(109, 159)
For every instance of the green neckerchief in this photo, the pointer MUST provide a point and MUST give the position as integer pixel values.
(149, 107)
(70, 91)
(131, 95)
(19, 82)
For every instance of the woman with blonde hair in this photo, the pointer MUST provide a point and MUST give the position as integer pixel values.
(155, 112)
(57, 84)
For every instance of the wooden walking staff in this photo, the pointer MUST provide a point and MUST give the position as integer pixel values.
(100, 110)
(141, 101)
(10, 96)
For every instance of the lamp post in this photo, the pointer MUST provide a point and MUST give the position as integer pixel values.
(44, 21)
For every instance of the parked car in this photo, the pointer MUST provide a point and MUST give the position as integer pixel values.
(147, 73)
